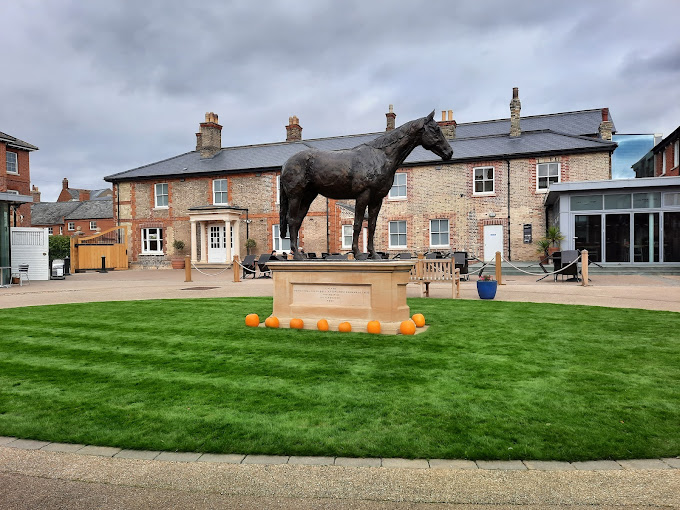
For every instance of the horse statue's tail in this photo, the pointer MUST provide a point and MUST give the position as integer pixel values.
(283, 212)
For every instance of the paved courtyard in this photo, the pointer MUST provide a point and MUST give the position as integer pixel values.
(36, 474)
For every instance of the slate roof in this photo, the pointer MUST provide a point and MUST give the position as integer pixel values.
(542, 134)
(15, 142)
(55, 213)
(95, 194)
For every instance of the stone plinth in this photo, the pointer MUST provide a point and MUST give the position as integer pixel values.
(338, 291)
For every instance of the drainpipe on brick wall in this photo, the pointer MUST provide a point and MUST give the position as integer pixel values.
(507, 161)
(118, 204)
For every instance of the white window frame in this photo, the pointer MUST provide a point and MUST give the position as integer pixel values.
(278, 189)
(61, 231)
(146, 240)
(71, 225)
(663, 161)
(483, 180)
(345, 229)
(676, 154)
(396, 189)
(156, 195)
(12, 192)
(14, 163)
(93, 225)
(278, 241)
(439, 232)
(396, 223)
(50, 231)
(538, 177)
(222, 193)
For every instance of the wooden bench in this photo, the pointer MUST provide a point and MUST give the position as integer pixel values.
(426, 271)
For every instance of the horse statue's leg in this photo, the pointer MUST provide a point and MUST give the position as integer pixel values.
(297, 210)
(359, 213)
(373, 211)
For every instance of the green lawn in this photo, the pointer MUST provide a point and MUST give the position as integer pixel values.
(488, 380)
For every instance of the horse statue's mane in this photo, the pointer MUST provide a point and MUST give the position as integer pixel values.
(393, 136)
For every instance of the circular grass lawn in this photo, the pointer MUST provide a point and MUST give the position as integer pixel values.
(488, 380)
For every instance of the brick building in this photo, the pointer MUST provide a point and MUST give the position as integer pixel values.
(67, 218)
(663, 160)
(488, 197)
(15, 176)
(82, 195)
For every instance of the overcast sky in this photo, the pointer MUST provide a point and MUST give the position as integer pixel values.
(103, 87)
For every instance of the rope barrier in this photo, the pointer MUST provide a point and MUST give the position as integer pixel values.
(246, 268)
(208, 274)
(545, 273)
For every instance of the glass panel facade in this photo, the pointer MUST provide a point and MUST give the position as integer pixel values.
(671, 199)
(671, 239)
(617, 235)
(618, 201)
(586, 203)
(588, 232)
(646, 200)
(646, 237)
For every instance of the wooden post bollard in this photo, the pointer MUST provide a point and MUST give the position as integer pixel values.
(187, 268)
(237, 269)
(584, 268)
(499, 270)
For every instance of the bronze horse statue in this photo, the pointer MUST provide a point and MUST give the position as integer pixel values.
(365, 173)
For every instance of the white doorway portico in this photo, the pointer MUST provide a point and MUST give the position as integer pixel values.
(214, 234)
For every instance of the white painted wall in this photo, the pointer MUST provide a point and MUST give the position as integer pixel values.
(30, 246)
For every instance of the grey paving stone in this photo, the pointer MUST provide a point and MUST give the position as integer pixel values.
(311, 461)
(673, 462)
(28, 444)
(452, 464)
(548, 465)
(644, 464)
(178, 456)
(357, 462)
(405, 463)
(226, 458)
(265, 459)
(597, 465)
(62, 447)
(6, 439)
(137, 454)
(515, 465)
(100, 451)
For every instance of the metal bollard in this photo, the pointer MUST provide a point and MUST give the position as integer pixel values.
(103, 269)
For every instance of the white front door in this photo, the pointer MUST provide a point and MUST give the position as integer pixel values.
(493, 241)
(217, 247)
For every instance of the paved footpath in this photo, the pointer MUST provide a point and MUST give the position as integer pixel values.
(36, 474)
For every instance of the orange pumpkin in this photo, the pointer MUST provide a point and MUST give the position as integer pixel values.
(419, 319)
(407, 327)
(296, 323)
(373, 327)
(252, 320)
(344, 327)
(322, 325)
(271, 322)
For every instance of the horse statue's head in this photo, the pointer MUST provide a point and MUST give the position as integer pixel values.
(433, 138)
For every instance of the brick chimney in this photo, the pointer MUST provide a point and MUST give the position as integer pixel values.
(515, 107)
(35, 192)
(606, 126)
(293, 129)
(83, 195)
(64, 183)
(209, 138)
(448, 125)
(391, 117)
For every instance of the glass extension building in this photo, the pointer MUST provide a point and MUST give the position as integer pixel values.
(619, 221)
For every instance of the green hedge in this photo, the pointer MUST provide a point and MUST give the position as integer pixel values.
(60, 247)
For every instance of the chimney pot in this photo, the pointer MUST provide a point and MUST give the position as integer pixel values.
(606, 126)
(293, 129)
(450, 114)
(64, 183)
(391, 116)
(605, 114)
(515, 92)
(209, 137)
(443, 115)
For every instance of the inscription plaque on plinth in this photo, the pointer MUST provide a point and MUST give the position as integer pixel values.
(338, 291)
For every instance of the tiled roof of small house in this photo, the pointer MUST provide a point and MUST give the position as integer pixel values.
(54, 213)
(15, 142)
(543, 134)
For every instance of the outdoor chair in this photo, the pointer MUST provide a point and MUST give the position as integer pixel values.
(460, 260)
(362, 256)
(561, 261)
(22, 274)
(265, 272)
(432, 255)
(249, 265)
(311, 255)
(404, 255)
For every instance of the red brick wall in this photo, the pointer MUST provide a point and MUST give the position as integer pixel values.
(20, 182)
(671, 168)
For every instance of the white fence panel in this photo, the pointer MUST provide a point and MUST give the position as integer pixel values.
(31, 246)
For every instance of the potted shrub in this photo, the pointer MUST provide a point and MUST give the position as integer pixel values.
(554, 235)
(250, 245)
(486, 287)
(542, 247)
(177, 261)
